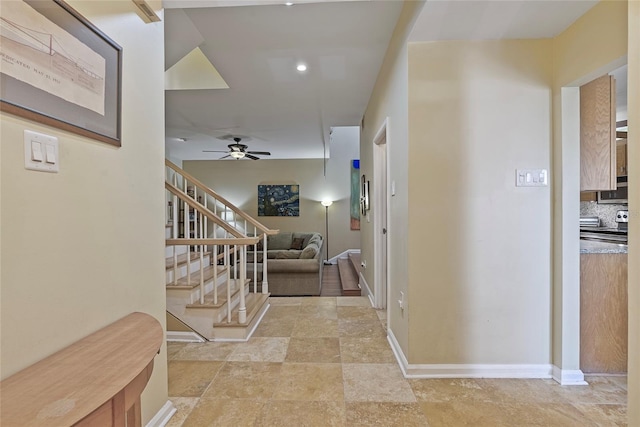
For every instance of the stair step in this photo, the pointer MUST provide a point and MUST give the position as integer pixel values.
(254, 304)
(348, 278)
(355, 261)
(222, 295)
(195, 278)
(182, 259)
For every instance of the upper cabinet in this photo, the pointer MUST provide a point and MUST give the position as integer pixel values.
(598, 135)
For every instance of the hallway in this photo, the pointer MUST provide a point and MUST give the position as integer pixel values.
(325, 361)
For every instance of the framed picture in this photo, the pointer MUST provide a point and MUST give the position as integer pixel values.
(56, 68)
(278, 200)
(364, 198)
(354, 208)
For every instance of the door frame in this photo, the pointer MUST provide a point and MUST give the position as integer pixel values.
(381, 208)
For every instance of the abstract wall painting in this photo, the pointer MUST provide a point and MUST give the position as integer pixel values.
(278, 200)
(355, 195)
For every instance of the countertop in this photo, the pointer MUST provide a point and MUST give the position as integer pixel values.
(593, 247)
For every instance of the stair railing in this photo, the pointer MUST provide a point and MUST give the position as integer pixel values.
(230, 214)
(237, 239)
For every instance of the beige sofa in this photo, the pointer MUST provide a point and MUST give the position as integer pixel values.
(294, 263)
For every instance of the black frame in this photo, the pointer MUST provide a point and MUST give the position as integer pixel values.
(24, 100)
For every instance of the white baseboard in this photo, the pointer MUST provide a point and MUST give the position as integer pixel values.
(568, 376)
(162, 417)
(366, 290)
(184, 336)
(466, 370)
(345, 254)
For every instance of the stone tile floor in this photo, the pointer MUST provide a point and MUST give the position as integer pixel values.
(326, 362)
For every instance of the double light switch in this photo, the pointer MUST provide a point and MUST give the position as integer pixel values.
(531, 177)
(41, 152)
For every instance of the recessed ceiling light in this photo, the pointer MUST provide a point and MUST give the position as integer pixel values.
(289, 3)
(301, 67)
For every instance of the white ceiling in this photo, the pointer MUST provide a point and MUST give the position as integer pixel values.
(506, 19)
(255, 49)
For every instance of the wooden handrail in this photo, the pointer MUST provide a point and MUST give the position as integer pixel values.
(95, 381)
(221, 242)
(221, 199)
(201, 209)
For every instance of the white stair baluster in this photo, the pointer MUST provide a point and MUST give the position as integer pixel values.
(265, 282)
(228, 290)
(242, 309)
(201, 216)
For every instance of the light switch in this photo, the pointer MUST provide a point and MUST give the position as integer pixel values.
(41, 152)
(531, 178)
(51, 154)
(36, 151)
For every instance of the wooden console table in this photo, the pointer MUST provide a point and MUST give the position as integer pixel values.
(96, 381)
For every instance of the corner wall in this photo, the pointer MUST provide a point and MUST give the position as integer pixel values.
(85, 247)
(389, 99)
(479, 247)
(633, 408)
(592, 46)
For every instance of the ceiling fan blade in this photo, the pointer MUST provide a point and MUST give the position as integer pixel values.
(224, 157)
(249, 156)
(215, 151)
(260, 153)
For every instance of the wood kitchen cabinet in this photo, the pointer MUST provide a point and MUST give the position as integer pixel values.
(588, 196)
(621, 157)
(603, 313)
(598, 135)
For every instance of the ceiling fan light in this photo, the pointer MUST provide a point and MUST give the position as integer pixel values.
(237, 154)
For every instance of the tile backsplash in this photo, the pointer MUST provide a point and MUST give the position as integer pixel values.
(606, 213)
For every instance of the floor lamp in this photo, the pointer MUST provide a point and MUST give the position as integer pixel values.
(326, 204)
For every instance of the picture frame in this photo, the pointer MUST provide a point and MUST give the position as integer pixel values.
(60, 70)
(278, 200)
(364, 198)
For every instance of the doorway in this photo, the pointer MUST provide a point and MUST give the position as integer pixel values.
(380, 213)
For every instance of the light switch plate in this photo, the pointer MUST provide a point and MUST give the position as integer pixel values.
(48, 152)
(531, 178)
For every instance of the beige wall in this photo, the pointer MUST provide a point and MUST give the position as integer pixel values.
(479, 249)
(389, 100)
(84, 247)
(238, 182)
(593, 46)
(633, 94)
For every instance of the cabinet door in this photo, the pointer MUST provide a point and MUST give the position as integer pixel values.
(598, 135)
(621, 157)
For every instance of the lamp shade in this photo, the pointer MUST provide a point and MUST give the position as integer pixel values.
(326, 203)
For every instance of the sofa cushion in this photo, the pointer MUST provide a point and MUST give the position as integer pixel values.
(291, 254)
(271, 254)
(297, 243)
(281, 240)
(310, 251)
(315, 238)
(305, 236)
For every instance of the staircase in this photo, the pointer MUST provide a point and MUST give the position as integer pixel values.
(206, 283)
(349, 270)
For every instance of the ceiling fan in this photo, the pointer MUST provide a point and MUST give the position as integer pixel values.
(239, 151)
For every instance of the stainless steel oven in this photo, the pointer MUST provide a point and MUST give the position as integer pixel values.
(618, 196)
